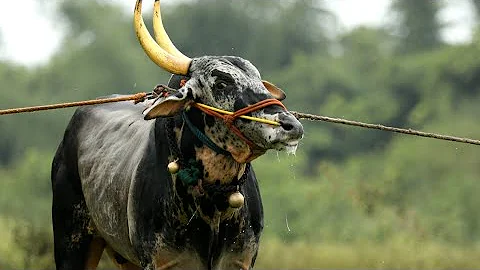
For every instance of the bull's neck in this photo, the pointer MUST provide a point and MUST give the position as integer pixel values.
(216, 167)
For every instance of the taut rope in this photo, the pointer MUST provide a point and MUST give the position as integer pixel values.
(139, 97)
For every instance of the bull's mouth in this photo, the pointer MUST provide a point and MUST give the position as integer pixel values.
(288, 146)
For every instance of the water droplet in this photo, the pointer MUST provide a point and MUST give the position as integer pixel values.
(286, 222)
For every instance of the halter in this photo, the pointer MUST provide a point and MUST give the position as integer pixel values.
(230, 117)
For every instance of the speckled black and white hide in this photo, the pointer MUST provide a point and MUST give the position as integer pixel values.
(242, 86)
(112, 189)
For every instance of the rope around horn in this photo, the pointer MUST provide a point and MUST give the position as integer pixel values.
(140, 97)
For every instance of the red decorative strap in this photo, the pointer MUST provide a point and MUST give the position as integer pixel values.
(229, 119)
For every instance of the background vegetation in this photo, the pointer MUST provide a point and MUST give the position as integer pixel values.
(350, 198)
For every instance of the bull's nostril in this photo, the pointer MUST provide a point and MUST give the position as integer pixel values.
(286, 126)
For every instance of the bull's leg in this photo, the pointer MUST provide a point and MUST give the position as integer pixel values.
(97, 245)
(120, 262)
(165, 260)
(236, 261)
(71, 223)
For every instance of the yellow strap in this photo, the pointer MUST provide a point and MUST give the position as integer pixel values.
(261, 120)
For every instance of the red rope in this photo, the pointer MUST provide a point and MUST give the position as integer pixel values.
(229, 119)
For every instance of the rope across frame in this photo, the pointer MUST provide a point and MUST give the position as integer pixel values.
(139, 97)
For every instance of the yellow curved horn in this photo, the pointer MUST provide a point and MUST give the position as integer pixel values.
(157, 54)
(161, 35)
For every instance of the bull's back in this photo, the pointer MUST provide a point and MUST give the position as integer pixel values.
(111, 143)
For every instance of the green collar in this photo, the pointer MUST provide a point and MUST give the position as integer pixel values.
(204, 138)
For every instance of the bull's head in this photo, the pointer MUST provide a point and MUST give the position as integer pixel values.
(226, 82)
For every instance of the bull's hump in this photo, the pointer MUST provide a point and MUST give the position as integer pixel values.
(126, 115)
(128, 107)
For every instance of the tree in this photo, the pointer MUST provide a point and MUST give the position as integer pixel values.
(269, 33)
(418, 26)
(366, 47)
(476, 5)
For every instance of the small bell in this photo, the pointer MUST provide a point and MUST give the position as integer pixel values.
(236, 200)
(173, 167)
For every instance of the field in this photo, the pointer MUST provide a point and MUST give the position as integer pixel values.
(276, 254)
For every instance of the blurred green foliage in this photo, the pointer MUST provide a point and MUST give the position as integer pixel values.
(350, 198)
(419, 24)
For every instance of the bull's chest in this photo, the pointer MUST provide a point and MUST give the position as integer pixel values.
(205, 243)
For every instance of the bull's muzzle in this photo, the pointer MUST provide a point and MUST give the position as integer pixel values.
(291, 127)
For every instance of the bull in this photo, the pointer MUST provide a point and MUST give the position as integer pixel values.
(177, 191)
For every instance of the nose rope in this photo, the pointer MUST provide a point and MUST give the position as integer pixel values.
(251, 118)
(229, 117)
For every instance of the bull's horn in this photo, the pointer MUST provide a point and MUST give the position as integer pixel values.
(161, 35)
(167, 61)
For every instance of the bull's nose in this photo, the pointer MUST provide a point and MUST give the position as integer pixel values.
(291, 126)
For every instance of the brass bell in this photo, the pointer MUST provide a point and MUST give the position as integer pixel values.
(173, 167)
(236, 200)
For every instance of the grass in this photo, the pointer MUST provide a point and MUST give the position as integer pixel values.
(24, 245)
(397, 254)
(8, 256)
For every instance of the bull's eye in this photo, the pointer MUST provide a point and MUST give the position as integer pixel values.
(220, 85)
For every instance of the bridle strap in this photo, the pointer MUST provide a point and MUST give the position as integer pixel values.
(230, 119)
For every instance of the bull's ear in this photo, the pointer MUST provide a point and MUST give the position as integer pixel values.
(274, 90)
(167, 106)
